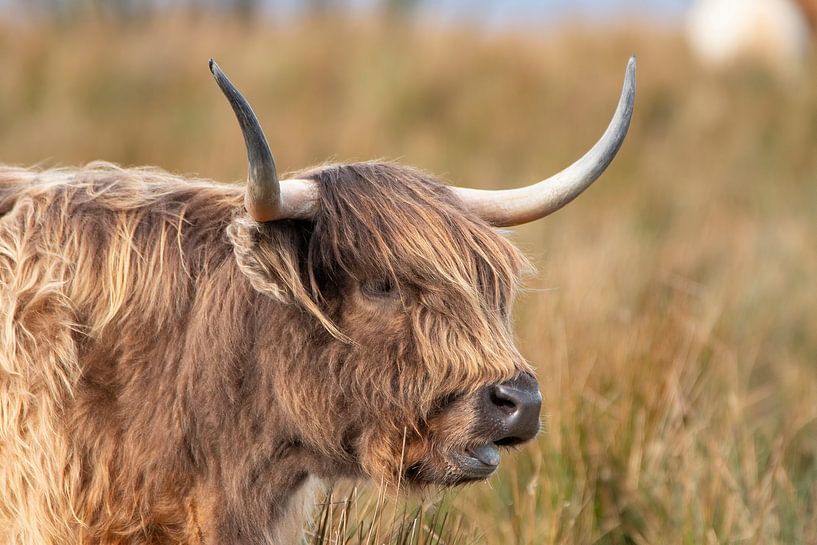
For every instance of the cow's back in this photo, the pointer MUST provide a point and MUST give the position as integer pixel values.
(77, 247)
(11, 188)
(37, 367)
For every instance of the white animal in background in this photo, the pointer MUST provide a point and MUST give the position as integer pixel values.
(774, 32)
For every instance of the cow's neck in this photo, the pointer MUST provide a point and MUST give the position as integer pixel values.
(265, 502)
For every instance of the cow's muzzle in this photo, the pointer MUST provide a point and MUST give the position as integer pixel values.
(508, 415)
(513, 410)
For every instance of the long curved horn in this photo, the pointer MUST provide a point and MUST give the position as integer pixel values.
(266, 198)
(504, 208)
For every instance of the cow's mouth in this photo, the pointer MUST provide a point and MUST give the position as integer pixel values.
(477, 463)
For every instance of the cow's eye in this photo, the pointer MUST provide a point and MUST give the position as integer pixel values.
(382, 288)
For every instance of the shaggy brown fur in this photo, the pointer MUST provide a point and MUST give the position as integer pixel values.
(173, 372)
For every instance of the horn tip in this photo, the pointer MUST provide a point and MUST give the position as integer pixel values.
(629, 77)
(212, 65)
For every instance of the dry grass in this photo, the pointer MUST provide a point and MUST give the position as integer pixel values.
(673, 319)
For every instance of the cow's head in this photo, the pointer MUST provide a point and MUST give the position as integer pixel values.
(410, 373)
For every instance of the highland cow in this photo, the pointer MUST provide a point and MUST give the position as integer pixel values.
(183, 360)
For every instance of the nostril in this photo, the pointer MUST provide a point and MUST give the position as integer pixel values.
(502, 398)
(514, 407)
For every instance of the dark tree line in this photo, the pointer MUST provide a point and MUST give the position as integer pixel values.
(67, 9)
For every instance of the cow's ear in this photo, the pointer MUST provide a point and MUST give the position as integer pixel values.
(269, 257)
(266, 262)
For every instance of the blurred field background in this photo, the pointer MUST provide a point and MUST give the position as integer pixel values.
(673, 317)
